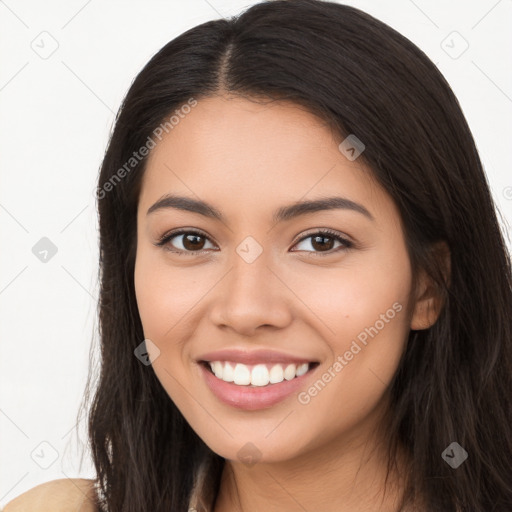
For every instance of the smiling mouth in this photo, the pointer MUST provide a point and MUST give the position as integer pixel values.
(259, 375)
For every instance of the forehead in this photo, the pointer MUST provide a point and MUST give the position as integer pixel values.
(229, 147)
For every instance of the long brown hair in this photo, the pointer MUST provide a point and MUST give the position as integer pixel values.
(454, 380)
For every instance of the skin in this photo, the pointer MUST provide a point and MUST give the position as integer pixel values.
(247, 160)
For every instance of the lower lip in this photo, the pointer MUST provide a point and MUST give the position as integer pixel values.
(253, 398)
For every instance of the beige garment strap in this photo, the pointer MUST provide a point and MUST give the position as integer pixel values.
(201, 498)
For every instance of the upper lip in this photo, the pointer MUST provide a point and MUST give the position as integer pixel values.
(253, 357)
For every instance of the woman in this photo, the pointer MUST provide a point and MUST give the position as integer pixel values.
(305, 294)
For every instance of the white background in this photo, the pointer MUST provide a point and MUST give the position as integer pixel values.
(56, 115)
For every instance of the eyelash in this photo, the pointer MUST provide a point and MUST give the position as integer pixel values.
(167, 237)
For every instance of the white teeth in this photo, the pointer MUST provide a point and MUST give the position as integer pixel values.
(302, 369)
(242, 375)
(228, 373)
(289, 372)
(217, 369)
(276, 374)
(258, 375)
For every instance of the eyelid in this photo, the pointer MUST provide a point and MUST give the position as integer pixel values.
(325, 231)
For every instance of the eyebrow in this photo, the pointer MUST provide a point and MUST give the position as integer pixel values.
(281, 214)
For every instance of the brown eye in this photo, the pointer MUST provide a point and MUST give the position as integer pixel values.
(184, 241)
(321, 242)
(324, 242)
(193, 242)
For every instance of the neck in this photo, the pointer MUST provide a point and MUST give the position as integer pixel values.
(346, 475)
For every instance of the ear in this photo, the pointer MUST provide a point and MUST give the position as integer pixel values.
(429, 297)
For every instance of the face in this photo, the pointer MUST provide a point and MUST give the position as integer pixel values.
(321, 289)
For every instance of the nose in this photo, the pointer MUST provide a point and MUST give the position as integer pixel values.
(250, 297)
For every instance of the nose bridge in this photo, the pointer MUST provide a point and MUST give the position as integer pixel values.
(250, 278)
(251, 296)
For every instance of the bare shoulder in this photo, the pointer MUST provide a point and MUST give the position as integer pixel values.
(62, 495)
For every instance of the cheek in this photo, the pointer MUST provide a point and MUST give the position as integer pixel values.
(164, 294)
(354, 295)
(363, 315)
(152, 295)
(364, 323)
(164, 297)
